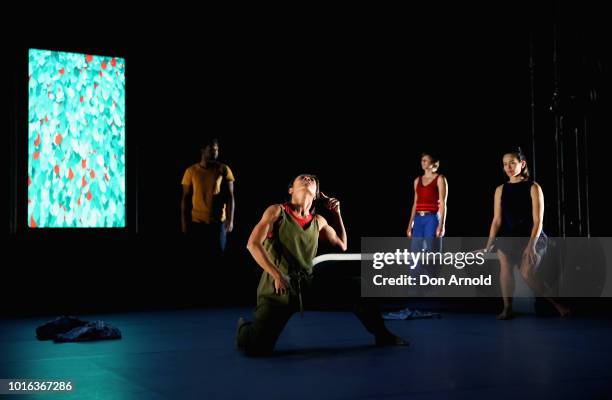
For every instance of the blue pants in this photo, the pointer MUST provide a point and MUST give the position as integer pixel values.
(424, 238)
(213, 236)
(424, 232)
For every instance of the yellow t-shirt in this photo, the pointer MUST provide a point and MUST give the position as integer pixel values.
(209, 194)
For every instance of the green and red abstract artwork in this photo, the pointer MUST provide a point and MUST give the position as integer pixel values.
(76, 140)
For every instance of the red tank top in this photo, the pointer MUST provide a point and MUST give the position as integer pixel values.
(301, 221)
(428, 198)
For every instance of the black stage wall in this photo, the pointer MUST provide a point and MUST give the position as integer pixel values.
(354, 106)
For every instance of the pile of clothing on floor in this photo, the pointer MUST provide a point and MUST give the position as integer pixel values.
(407, 313)
(71, 329)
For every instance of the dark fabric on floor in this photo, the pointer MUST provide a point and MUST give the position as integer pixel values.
(71, 329)
(98, 330)
(60, 325)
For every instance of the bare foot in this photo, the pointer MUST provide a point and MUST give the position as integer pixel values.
(563, 311)
(506, 314)
(390, 339)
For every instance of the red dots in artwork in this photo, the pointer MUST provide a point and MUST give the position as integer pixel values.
(58, 139)
(84, 163)
(114, 62)
(81, 99)
(32, 222)
(61, 71)
(70, 174)
(83, 182)
(37, 141)
(36, 155)
(103, 65)
(56, 169)
(88, 195)
(92, 174)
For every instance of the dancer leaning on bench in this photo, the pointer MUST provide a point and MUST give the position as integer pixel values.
(284, 243)
(516, 231)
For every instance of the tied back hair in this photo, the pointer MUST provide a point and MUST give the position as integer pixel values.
(518, 153)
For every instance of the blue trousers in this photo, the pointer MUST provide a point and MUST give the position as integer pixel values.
(213, 236)
(424, 238)
(424, 233)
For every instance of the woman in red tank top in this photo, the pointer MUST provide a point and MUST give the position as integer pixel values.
(428, 216)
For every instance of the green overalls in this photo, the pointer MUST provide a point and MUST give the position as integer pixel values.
(292, 249)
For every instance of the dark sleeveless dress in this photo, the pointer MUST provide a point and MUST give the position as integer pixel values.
(517, 221)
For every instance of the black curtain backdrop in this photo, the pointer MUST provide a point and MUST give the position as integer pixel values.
(354, 106)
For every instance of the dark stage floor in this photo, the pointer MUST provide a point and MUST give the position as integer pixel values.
(190, 355)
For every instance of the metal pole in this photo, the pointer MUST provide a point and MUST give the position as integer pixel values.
(532, 95)
(578, 188)
(557, 122)
(586, 179)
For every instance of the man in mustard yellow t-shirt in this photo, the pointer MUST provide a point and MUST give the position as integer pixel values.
(210, 185)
